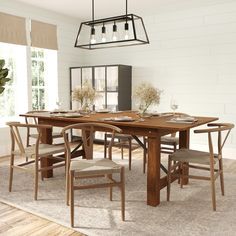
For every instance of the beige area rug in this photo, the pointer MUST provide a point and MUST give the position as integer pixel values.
(188, 213)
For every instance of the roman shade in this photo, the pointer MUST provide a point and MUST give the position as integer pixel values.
(12, 29)
(43, 35)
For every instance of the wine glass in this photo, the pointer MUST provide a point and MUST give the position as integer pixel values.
(58, 104)
(174, 105)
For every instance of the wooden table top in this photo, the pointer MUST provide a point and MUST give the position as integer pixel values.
(151, 124)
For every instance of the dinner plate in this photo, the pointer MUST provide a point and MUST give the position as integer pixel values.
(123, 118)
(103, 111)
(183, 120)
(73, 115)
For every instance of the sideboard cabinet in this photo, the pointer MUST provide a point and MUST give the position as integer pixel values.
(112, 82)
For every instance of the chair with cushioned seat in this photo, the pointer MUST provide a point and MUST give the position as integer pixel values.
(92, 167)
(201, 160)
(35, 153)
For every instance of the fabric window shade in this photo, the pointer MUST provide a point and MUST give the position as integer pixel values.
(12, 29)
(43, 35)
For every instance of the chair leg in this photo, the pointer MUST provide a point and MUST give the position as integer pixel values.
(221, 177)
(105, 146)
(110, 188)
(122, 152)
(11, 172)
(213, 194)
(130, 153)
(71, 186)
(122, 180)
(67, 181)
(169, 179)
(144, 155)
(36, 176)
(181, 174)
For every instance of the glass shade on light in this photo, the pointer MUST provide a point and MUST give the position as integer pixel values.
(118, 31)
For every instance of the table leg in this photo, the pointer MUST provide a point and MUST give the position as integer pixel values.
(153, 171)
(184, 143)
(45, 162)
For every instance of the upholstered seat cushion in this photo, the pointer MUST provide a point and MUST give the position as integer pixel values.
(169, 140)
(94, 167)
(191, 156)
(44, 150)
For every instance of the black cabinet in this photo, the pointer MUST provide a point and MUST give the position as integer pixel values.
(112, 82)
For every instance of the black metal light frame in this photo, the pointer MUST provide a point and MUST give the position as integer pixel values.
(131, 18)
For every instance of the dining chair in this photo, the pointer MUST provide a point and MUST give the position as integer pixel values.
(92, 167)
(34, 120)
(121, 141)
(35, 153)
(210, 161)
(169, 143)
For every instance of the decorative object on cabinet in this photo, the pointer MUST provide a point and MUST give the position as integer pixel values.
(116, 31)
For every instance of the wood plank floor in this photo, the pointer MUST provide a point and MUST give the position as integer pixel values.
(15, 222)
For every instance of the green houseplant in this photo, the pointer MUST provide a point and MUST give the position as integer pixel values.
(3, 75)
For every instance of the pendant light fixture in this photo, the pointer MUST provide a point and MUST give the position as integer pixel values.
(116, 31)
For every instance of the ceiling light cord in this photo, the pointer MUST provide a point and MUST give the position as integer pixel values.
(92, 36)
(126, 23)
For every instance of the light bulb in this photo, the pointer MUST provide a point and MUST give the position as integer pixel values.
(92, 36)
(126, 31)
(114, 34)
(104, 34)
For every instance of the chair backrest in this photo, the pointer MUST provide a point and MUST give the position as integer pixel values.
(17, 136)
(88, 130)
(219, 128)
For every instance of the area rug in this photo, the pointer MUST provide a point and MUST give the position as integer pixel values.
(188, 213)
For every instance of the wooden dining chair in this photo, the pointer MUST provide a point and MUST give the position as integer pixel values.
(169, 143)
(34, 120)
(122, 141)
(34, 153)
(92, 167)
(208, 161)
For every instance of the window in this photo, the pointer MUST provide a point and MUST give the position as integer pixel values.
(44, 78)
(33, 91)
(38, 79)
(15, 61)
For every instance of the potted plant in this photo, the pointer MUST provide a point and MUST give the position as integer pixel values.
(3, 75)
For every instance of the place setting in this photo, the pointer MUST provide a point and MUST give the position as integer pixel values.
(118, 119)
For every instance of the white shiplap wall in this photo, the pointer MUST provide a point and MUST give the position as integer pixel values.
(192, 56)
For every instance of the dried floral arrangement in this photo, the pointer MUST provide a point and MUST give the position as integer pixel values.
(146, 95)
(85, 95)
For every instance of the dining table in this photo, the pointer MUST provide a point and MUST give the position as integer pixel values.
(152, 127)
